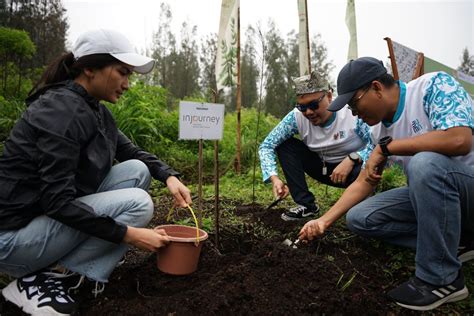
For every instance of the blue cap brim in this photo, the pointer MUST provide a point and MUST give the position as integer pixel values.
(341, 101)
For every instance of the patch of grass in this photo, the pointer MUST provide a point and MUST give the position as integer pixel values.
(207, 223)
(392, 177)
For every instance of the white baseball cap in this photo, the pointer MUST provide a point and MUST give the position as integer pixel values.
(113, 43)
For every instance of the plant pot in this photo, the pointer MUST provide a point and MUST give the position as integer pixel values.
(181, 255)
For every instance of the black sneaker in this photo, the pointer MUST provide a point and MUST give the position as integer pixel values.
(299, 212)
(421, 296)
(43, 293)
(466, 252)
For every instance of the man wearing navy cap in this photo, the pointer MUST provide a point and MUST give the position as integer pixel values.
(426, 126)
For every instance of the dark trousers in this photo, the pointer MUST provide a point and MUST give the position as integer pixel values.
(296, 159)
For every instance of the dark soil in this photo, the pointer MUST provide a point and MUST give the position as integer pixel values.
(248, 274)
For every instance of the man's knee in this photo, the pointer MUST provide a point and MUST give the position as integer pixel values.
(354, 221)
(289, 147)
(424, 166)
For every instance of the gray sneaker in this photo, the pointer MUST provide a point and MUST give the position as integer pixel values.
(300, 212)
(466, 252)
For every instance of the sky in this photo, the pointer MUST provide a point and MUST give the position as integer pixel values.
(441, 29)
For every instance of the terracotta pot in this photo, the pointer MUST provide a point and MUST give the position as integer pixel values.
(181, 255)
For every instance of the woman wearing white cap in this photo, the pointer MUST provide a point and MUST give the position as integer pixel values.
(62, 200)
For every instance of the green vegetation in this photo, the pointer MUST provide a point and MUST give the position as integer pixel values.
(149, 116)
(145, 116)
(15, 49)
(10, 112)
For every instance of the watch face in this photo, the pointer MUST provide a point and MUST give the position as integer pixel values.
(354, 156)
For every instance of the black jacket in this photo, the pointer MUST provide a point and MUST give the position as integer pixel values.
(62, 148)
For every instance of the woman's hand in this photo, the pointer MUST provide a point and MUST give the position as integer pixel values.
(341, 172)
(146, 238)
(280, 189)
(312, 229)
(181, 194)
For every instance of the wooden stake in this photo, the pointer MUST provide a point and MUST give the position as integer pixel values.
(200, 185)
(392, 58)
(216, 185)
(237, 158)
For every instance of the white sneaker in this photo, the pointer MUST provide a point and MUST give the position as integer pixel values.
(44, 293)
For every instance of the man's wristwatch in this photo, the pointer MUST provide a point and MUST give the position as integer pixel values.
(354, 157)
(383, 142)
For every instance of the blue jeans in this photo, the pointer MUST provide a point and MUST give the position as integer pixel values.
(45, 241)
(429, 215)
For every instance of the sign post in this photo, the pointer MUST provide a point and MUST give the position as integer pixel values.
(200, 121)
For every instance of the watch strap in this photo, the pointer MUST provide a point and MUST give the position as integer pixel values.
(383, 142)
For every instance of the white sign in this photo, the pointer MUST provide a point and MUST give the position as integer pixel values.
(406, 59)
(201, 120)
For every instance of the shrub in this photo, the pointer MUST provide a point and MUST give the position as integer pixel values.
(11, 111)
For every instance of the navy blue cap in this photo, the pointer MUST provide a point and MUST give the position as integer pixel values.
(354, 75)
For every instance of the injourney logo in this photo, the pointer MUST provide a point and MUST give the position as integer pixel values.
(193, 119)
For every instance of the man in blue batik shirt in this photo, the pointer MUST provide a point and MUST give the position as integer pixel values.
(330, 149)
(426, 126)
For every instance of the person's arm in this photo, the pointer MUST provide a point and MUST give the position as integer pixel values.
(355, 193)
(286, 129)
(455, 141)
(449, 109)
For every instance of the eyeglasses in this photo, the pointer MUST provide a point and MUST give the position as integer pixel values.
(313, 105)
(352, 104)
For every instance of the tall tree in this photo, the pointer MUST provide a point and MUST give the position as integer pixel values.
(292, 66)
(319, 59)
(3, 13)
(177, 68)
(45, 21)
(208, 65)
(249, 69)
(185, 70)
(276, 82)
(282, 64)
(467, 63)
(164, 47)
(15, 48)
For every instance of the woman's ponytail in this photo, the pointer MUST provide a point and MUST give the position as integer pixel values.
(58, 70)
(66, 67)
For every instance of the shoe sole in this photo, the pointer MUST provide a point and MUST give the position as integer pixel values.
(11, 294)
(288, 219)
(467, 256)
(454, 297)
